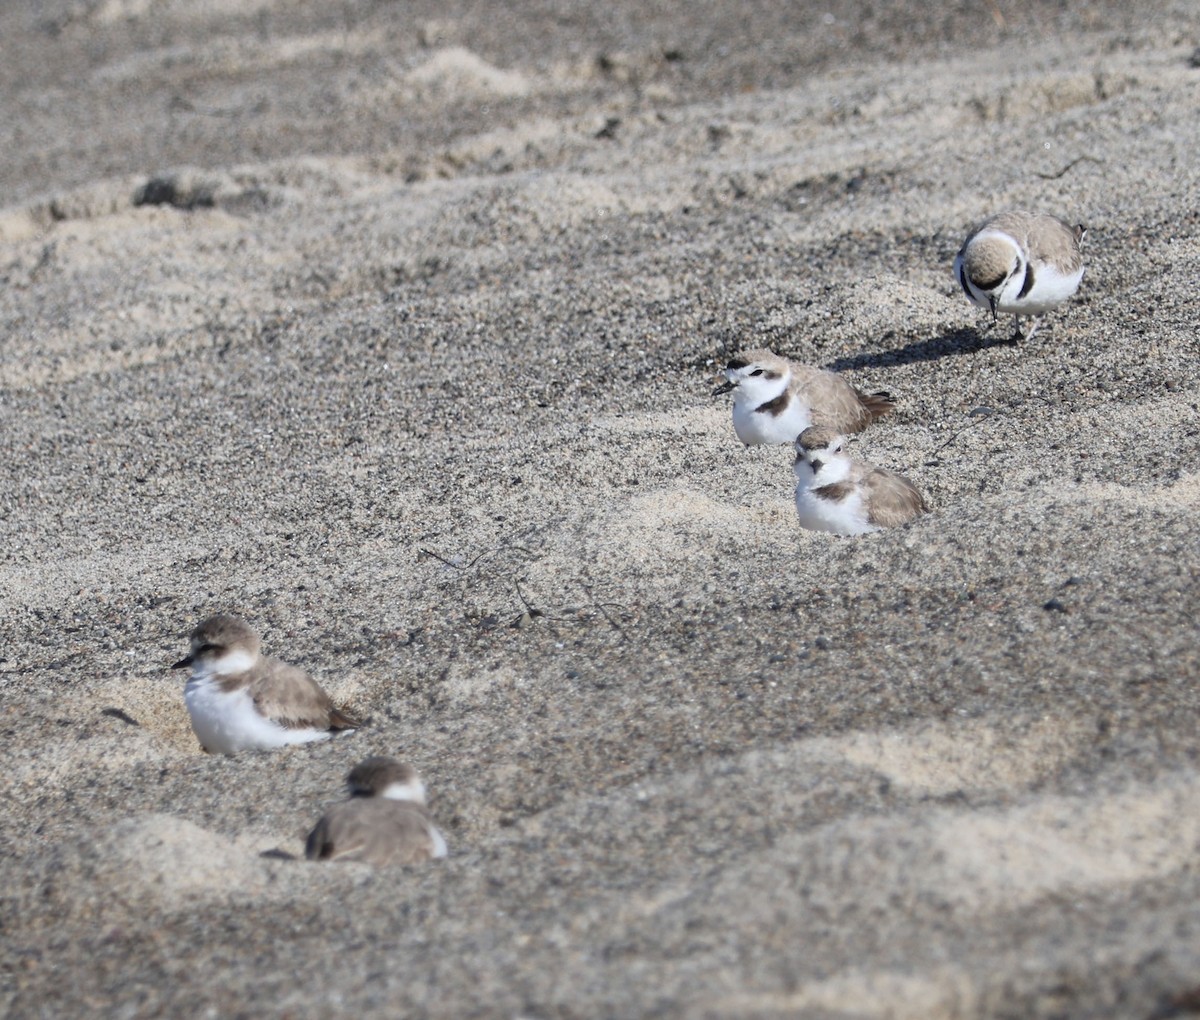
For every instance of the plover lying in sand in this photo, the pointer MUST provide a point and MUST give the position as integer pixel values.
(385, 821)
(1021, 263)
(240, 700)
(844, 496)
(775, 399)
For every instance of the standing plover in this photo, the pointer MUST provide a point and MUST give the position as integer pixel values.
(1021, 263)
(775, 399)
(385, 821)
(844, 496)
(240, 700)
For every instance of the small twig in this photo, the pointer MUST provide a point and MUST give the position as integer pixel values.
(539, 613)
(1069, 166)
(604, 612)
(532, 611)
(505, 543)
(442, 559)
(529, 606)
(966, 428)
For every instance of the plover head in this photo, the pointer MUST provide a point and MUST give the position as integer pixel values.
(386, 777)
(223, 645)
(819, 454)
(755, 376)
(989, 261)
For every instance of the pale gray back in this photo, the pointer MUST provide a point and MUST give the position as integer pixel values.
(373, 830)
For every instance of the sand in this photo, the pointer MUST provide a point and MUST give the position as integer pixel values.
(393, 328)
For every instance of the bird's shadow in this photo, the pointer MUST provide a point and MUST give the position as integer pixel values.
(955, 342)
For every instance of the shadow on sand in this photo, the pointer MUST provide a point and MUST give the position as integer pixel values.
(952, 344)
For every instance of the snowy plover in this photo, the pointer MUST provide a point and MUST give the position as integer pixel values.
(385, 821)
(847, 497)
(1021, 263)
(774, 399)
(240, 700)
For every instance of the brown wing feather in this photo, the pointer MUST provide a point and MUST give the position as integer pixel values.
(877, 404)
(338, 720)
(291, 697)
(319, 845)
(892, 498)
(834, 402)
(376, 831)
(1055, 239)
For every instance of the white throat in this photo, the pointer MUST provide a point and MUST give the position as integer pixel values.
(754, 391)
(413, 791)
(236, 660)
(835, 468)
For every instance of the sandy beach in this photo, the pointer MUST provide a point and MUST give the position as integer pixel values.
(393, 329)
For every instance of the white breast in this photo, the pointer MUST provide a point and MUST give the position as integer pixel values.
(228, 722)
(756, 428)
(847, 517)
(1050, 289)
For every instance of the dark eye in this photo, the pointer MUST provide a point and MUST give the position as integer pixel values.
(838, 448)
(757, 371)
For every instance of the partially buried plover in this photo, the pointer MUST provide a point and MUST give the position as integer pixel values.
(775, 399)
(240, 700)
(1021, 263)
(385, 821)
(844, 496)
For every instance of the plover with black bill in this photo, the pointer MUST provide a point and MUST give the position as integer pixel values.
(241, 700)
(847, 497)
(1021, 263)
(775, 399)
(385, 821)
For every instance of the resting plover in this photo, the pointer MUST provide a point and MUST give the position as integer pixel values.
(385, 821)
(1021, 263)
(844, 496)
(775, 399)
(240, 700)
